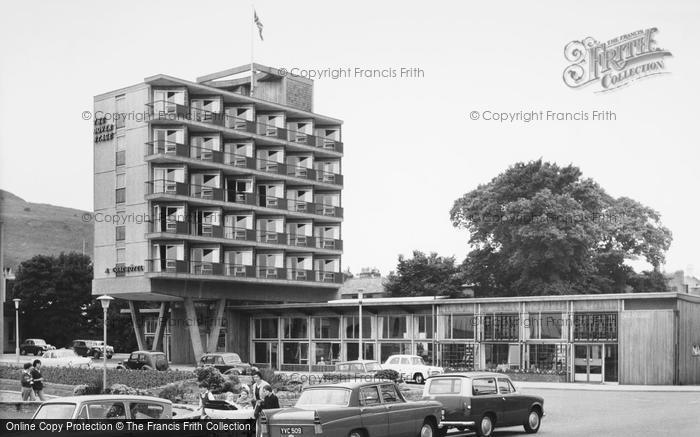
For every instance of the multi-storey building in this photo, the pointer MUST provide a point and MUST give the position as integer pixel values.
(207, 197)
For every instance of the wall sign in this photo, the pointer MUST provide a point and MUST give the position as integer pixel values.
(103, 131)
(121, 270)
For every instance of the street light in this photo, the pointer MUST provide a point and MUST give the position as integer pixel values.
(105, 301)
(360, 353)
(16, 301)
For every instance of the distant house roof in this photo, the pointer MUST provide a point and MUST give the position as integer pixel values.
(368, 286)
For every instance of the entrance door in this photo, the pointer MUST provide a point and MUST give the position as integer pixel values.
(588, 363)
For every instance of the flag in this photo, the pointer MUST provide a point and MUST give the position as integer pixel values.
(258, 23)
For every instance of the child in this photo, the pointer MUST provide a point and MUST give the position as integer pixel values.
(27, 383)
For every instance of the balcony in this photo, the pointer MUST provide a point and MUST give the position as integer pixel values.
(205, 268)
(164, 147)
(182, 228)
(164, 110)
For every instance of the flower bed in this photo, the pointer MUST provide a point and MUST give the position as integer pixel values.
(77, 376)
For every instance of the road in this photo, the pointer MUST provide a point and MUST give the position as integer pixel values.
(574, 413)
(111, 363)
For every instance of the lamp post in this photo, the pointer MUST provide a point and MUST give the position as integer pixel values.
(360, 353)
(16, 301)
(105, 301)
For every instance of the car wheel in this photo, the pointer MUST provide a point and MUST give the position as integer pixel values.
(96, 355)
(22, 352)
(356, 433)
(109, 357)
(485, 426)
(428, 430)
(36, 352)
(534, 419)
(418, 378)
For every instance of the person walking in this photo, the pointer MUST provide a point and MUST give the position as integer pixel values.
(269, 401)
(38, 380)
(27, 383)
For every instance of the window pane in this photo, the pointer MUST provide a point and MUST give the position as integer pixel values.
(120, 157)
(120, 233)
(551, 325)
(463, 326)
(120, 195)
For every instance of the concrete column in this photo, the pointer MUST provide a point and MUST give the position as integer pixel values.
(138, 328)
(193, 328)
(216, 326)
(163, 316)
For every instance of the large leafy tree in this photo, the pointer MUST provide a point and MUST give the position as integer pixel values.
(539, 228)
(425, 275)
(57, 304)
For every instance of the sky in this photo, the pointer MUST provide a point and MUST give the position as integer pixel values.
(411, 147)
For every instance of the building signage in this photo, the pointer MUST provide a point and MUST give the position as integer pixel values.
(121, 270)
(614, 63)
(103, 131)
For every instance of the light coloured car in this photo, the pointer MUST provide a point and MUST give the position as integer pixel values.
(411, 367)
(119, 407)
(64, 358)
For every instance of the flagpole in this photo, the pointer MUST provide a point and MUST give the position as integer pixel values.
(252, 48)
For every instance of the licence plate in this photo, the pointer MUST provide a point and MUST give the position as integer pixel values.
(291, 430)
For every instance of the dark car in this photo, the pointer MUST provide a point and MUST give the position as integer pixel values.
(227, 363)
(483, 401)
(145, 360)
(353, 409)
(91, 348)
(34, 346)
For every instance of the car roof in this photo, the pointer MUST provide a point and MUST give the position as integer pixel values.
(148, 352)
(358, 361)
(78, 399)
(476, 374)
(223, 354)
(350, 385)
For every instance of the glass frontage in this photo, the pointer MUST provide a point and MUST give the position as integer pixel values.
(502, 327)
(295, 353)
(501, 356)
(389, 349)
(352, 327)
(295, 327)
(595, 326)
(327, 327)
(458, 356)
(353, 348)
(394, 327)
(546, 358)
(266, 328)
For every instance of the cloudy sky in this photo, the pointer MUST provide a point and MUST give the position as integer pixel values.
(410, 146)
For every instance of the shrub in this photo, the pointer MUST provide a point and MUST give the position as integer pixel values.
(389, 374)
(121, 389)
(174, 392)
(209, 377)
(82, 376)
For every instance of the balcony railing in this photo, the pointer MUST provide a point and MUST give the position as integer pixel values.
(172, 111)
(207, 268)
(206, 192)
(165, 147)
(179, 227)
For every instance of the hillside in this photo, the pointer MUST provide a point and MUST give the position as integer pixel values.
(37, 228)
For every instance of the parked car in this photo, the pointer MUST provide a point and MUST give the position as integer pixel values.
(483, 401)
(144, 360)
(64, 358)
(91, 348)
(34, 346)
(123, 407)
(362, 367)
(411, 367)
(228, 363)
(353, 409)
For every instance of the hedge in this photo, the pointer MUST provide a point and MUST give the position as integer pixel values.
(78, 376)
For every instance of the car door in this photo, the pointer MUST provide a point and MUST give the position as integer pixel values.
(373, 412)
(509, 407)
(522, 404)
(448, 391)
(485, 398)
(402, 422)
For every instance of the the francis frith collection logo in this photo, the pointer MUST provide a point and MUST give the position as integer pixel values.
(615, 63)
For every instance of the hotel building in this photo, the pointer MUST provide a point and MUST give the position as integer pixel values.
(207, 197)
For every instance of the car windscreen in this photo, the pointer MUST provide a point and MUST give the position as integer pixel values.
(372, 367)
(232, 359)
(324, 396)
(39, 343)
(444, 386)
(55, 411)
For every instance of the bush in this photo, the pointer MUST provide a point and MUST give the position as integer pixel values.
(121, 389)
(174, 392)
(389, 374)
(75, 376)
(209, 377)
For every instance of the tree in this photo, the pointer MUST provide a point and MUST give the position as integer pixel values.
(425, 275)
(538, 229)
(57, 304)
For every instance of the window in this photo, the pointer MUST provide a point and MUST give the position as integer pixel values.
(394, 327)
(595, 326)
(505, 387)
(120, 195)
(266, 328)
(484, 386)
(458, 355)
(107, 410)
(121, 180)
(500, 355)
(443, 386)
(295, 328)
(545, 326)
(143, 410)
(501, 327)
(369, 396)
(547, 357)
(352, 327)
(327, 327)
(423, 327)
(121, 255)
(120, 233)
(389, 394)
(295, 353)
(459, 326)
(120, 107)
(120, 158)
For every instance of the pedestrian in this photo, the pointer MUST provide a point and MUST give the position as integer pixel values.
(38, 380)
(258, 384)
(269, 400)
(27, 384)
